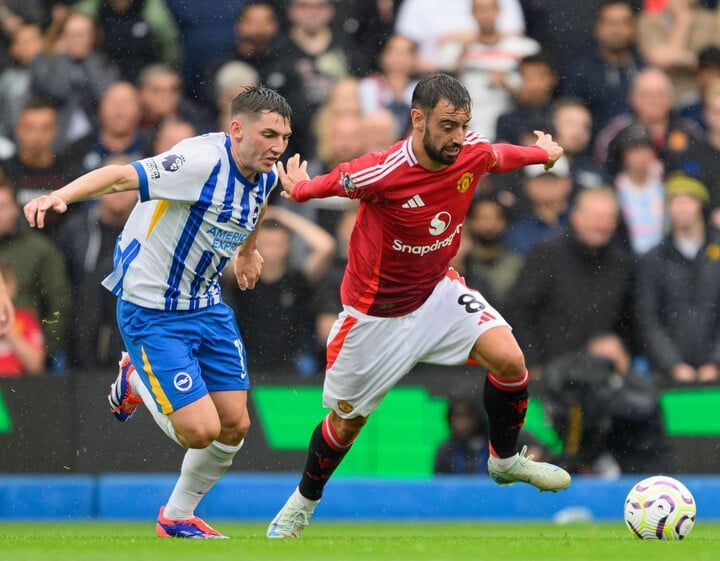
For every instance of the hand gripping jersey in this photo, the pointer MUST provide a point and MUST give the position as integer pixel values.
(196, 209)
(410, 220)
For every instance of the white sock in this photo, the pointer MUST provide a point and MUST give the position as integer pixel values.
(161, 420)
(201, 468)
(505, 463)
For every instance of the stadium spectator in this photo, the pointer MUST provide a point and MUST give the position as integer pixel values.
(22, 348)
(563, 27)
(13, 16)
(640, 189)
(230, 79)
(487, 64)
(602, 77)
(43, 284)
(678, 294)
(161, 96)
(315, 57)
(118, 132)
(575, 285)
(429, 27)
(606, 412)
(532, 100)
(206, 32)
(708, 72)
(467, 449)
(672, 38)
(485, 260)
(572, 123)
(702, 159)
(136, 33)
(548, 195)
(88, 241)
(170, 132)
(36, 168)
(339, 139)
(26, 44)
(275, 316)
(391, 86)
(74, 74)
(379, 130)
(256, 44)
(651, 103)
(326, 304)
(371, 25)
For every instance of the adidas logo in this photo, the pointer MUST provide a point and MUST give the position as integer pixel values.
(414, 202)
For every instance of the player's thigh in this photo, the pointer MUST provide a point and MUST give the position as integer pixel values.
(366, 356)
(162, 346)
(455, 317)
(221, 355)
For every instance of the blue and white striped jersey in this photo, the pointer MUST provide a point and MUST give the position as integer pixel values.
(195, 210)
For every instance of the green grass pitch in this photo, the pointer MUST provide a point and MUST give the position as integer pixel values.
(465, 541)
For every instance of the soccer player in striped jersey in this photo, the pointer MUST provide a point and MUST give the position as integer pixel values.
(402, 303)
(200, 205)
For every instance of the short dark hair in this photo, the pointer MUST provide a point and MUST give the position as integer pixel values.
(430, 90)
(39, 103)
(254, 100)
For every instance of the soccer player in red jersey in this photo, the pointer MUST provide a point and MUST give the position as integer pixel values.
(402, 302)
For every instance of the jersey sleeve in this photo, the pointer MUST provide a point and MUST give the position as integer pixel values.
(353, 180)
(178, 174)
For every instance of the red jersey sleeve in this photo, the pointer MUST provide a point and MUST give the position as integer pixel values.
(510, 156)
(350, 179)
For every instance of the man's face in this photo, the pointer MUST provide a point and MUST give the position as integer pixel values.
(486, 222)
(443, 130)
(120, 109)
(311, 16)
(257, 25)
(258, 143)
(594, 220)
(652, 96)
(160, 95)
(684, 210)
(573, 125)
(615, 29)
(36, 129)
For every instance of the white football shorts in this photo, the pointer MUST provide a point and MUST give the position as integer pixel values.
(368, 355)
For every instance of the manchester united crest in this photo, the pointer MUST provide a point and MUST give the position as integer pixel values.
(344, 406)
(465, 182)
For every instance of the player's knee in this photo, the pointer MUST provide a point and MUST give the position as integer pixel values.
(200, 436)
(509, 363)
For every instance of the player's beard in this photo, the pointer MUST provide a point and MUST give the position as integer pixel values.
(437, 154)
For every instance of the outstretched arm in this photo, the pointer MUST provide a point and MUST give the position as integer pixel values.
(510, 156)
(108, 179)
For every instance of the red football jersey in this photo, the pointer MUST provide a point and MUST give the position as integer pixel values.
(409, 222)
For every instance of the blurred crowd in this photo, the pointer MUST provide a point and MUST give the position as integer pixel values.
(612, 257)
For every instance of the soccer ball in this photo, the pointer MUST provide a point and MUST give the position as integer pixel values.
(660, 508)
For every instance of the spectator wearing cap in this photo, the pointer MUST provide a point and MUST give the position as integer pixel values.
(678, 293)
(548, 194)
(639, 186)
